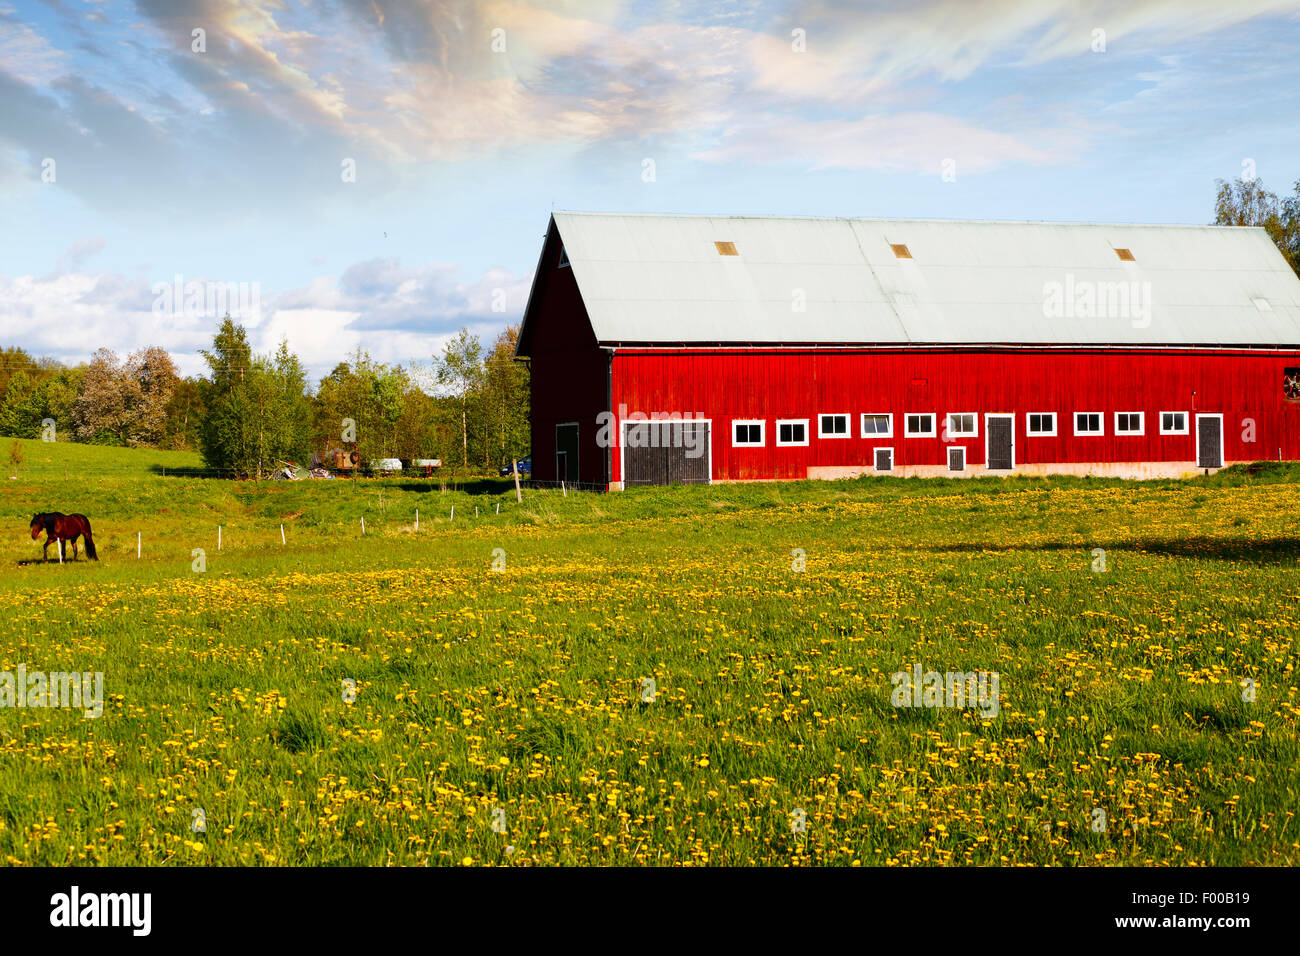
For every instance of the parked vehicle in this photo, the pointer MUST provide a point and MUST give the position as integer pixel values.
(525, 467)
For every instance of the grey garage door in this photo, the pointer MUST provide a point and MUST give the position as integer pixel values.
(665, 453)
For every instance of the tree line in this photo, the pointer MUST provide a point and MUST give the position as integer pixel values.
(1246, 202)
(250, 413)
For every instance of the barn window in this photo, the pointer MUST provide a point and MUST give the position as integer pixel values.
(919, 425)
(1128, 423)
(876, 425)
(726, 248)
(747, 432)
(900, 251)
(1089, 423)
(564, 259)
(957, 459)
(1125, 255)
(792, 431)
(1291, 384)
(962, 424)
(884, 459)
(1040, 423)
(1173, 423)
(832, 426)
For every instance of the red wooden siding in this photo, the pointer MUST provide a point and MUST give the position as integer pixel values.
(723, 385)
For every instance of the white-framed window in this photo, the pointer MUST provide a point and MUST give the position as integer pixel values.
(918, 424)
(883, 458)
(833, 426)
(877, 425)
(1089, 423)
(791, 431)
(1040, 423)
(957, 458)
(1129, 423)
(962, 425)
(748, 433)
(1173, 423)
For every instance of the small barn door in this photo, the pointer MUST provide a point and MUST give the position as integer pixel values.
(1209, 441)
(664, 453)
(1000, 442)
(688, 458)
(566, 453)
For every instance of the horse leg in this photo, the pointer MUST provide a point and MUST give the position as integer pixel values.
(74, 549)
(45, 551)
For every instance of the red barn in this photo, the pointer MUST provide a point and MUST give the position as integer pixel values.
(700, 349)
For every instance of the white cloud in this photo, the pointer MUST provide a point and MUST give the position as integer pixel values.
(398, 314)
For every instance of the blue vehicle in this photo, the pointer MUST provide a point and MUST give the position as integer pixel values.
(525, 466)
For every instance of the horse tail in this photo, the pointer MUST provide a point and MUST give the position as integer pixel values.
(90, 544)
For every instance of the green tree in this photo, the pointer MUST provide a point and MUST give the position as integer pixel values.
(61, 393)
(284, 410)
(460, 371)
(23, 406)
(1247, 203)
(26, 387)
(225, 434)
(15, 360)
(184, 414)
(255, 408)
(506, 390)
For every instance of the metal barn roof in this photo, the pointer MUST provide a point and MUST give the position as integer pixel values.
(672, 279)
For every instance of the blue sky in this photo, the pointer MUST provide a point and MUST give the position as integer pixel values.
(468, 122)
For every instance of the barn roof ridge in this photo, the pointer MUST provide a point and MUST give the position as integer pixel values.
(667, 277)
(918, 219)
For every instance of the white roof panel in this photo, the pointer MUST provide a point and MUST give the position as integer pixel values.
(660, 279)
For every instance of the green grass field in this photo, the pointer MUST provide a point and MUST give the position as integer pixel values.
(502, 713)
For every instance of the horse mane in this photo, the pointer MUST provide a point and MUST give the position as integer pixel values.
(48, 519)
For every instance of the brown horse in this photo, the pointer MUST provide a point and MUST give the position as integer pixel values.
(60, 528)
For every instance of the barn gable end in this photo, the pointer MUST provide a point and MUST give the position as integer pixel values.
(569, 374)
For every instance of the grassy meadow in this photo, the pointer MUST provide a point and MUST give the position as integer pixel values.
(502, 713)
